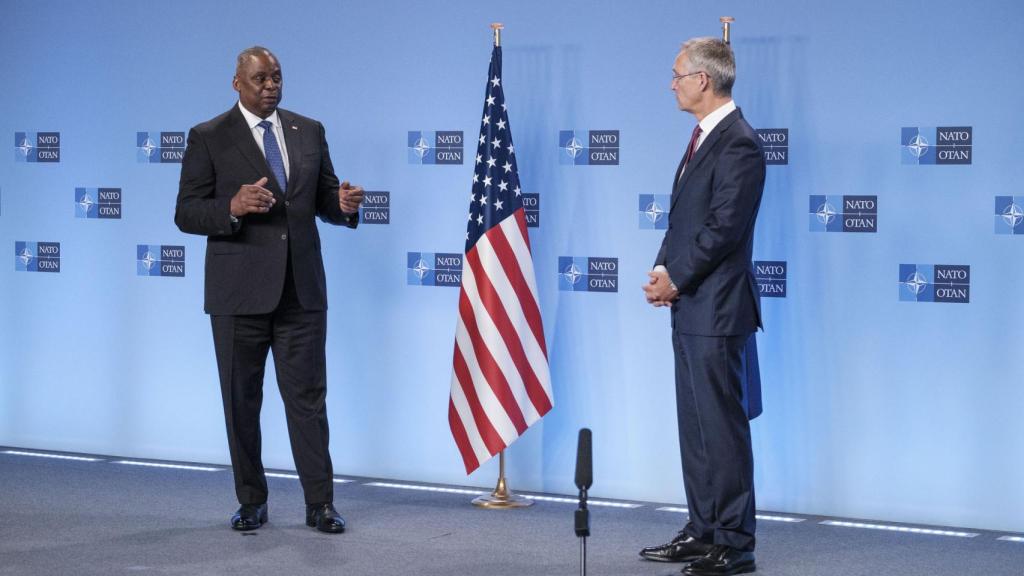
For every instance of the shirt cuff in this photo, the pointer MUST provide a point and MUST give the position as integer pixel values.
(661, 268)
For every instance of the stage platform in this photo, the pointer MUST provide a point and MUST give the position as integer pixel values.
(109, 516)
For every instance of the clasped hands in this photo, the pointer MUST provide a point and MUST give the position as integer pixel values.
(659, 290)
(255, 199)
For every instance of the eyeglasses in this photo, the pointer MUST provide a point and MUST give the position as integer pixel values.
(678, 77)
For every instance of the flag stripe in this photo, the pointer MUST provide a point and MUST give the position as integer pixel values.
(527, 288)
(489, 367)
(488, 433)
(525, 351)
(476, 443)
(479, 389)
(461, 438)
(503, 338)
(513, 250)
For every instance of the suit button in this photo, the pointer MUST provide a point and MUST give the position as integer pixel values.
(287, 203)
(284, 236)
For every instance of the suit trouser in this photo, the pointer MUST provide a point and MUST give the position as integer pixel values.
(297, 338)
(714, 439)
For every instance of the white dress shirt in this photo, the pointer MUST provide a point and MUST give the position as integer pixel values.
(711, 120)
(708, 124)
(257, 134)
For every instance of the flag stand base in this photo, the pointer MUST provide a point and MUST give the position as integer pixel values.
(502, 497)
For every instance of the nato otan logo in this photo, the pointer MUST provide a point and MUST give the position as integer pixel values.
(37, 146)
(843, 213)
(1009, 215)
(588, 274)
(652, 212)
(588, 147)
(942, 145)
(376, 208)
(443, 147)
(160, 147)
(101, 203)
(531, 209)
(159, 260)
(774, 145)
(37, 257)
(771, 278)
(935, 283)
(434, 269)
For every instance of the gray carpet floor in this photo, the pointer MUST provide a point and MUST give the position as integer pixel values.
(66, 517)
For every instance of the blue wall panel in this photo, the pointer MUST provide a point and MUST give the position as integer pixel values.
(874, 407)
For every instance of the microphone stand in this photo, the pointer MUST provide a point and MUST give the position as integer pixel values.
(583, 529)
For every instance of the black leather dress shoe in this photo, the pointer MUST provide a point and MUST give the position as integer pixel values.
(682, 548)
(722, 561)
(325, 518)
(249, 517)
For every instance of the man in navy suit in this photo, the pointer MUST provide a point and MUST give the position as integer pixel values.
(704, 272)
(252, 181)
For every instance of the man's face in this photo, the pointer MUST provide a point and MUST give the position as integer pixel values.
(686, 84)
(258, 82)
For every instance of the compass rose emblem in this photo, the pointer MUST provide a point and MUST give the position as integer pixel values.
(574, 147)
(573, 274)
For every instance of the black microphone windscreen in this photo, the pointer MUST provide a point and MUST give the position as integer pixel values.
(584, 462)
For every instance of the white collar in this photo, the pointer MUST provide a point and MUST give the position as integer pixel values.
(714, 118)
(254, 120)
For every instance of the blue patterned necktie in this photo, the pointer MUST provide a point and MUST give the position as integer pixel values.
(273, 153)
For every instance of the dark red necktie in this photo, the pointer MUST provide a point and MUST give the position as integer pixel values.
(692, 148)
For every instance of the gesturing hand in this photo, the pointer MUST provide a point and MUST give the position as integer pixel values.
(350, 197)
(252, 198)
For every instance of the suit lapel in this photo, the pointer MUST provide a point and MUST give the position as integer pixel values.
(702, 152)
(241, 135)
(293, 142)
(679, 170)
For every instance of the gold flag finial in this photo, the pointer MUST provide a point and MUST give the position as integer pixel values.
(497, 26)
(726, 23)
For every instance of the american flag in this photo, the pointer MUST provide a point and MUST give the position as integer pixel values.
(500, 381)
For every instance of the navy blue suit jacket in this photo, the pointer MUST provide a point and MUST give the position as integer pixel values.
(246, 262)
(708, 246)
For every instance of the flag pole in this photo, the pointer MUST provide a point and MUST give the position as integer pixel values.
(497, 27)
(502, 498)
(726, 24)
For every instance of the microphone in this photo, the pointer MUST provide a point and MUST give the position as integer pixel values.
(584, 479)
(584, 461)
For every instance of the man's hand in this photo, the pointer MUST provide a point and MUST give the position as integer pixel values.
(350, 197)
(659, 290)
(252, 199)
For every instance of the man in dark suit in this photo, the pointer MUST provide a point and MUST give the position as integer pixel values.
(704, 272)
(253, 180)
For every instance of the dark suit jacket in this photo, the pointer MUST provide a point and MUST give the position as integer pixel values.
(246, 262)
(709, 243)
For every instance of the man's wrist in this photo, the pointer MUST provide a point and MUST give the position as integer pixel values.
(671, 284)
